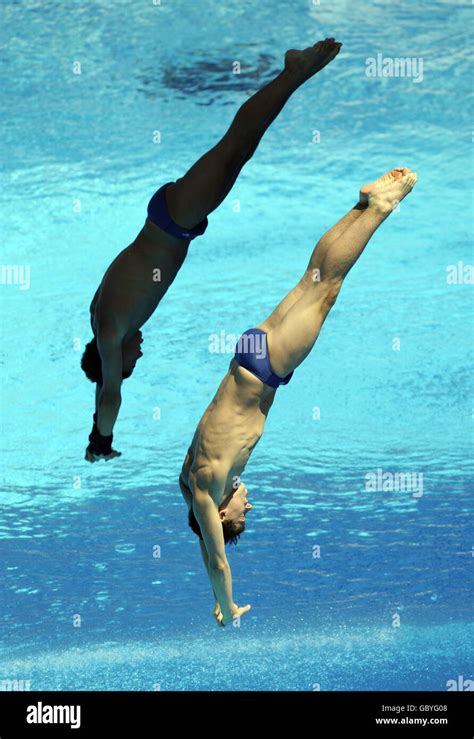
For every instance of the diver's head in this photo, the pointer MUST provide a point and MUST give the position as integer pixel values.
(234, 508)
(92, 365)
(90, 362)
(232, 512)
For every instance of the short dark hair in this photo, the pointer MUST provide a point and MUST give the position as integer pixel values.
(231, 530)
(91, 363)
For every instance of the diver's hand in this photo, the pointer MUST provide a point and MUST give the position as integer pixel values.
(218, 616)
(90, 456)
(100, 446)
(235, 613)
(217, 613)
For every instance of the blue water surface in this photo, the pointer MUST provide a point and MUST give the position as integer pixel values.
(102, 584)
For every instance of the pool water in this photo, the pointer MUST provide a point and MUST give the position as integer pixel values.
(351, 589)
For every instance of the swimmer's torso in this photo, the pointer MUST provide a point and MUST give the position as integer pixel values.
(136, 281)
(228, 431)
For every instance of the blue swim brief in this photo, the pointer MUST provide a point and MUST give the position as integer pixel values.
(251, 353)
(159, 215)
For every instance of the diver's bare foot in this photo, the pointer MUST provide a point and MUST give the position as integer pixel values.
(303, 64)
(386, 179)
(386, 198)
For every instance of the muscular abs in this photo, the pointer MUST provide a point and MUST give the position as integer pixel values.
(228, 432)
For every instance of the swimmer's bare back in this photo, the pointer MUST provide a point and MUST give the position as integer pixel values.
(136, 281)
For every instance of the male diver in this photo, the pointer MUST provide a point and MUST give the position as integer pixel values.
(265, 358)
(140, 275)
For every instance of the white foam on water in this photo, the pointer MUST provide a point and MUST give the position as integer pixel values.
(344, 645)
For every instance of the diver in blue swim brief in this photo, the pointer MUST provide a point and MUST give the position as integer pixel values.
(251, 353)
(265, 358)
(140, 275)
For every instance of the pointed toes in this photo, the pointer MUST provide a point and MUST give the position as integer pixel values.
(410, 179)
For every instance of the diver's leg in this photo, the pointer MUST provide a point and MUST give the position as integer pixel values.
(312, 272)
(291, 340)
(192, 197)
